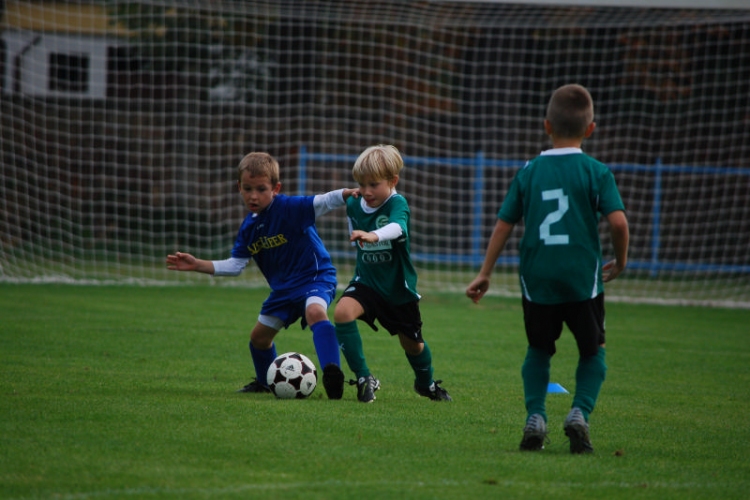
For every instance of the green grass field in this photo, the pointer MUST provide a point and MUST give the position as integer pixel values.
(128, 392)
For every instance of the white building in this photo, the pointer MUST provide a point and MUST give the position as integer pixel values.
(57, 65)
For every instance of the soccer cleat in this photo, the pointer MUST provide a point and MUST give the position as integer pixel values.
(254, 386)
(434, 392)
(534, 433)
(333, 381)
(366, 387)
(577, 431)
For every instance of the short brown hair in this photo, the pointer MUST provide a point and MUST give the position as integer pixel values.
(381, 162)
(570, 111)
(259, 165)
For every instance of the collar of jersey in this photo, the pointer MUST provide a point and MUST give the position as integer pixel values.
(370, 210)
(561, 151)
(265, 209)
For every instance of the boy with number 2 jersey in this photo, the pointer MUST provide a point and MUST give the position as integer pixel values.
(560, 195)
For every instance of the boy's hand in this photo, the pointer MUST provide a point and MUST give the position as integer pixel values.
(611, 270)
(181, 262)
(358, 235)
(350, 192)
(477, 288)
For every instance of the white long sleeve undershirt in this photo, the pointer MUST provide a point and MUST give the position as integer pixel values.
(389, 232)
(229, 267)
(324, 203)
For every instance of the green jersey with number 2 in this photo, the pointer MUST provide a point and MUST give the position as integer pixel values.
(561, 195)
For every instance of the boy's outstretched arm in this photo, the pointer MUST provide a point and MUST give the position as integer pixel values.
(180, 261)
(620, 233)
(477, 288)
(324, 203)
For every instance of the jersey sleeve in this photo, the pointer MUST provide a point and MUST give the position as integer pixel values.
(400, 213)
(511, 210)
(609, 196)
(299, 209)
(240, 250)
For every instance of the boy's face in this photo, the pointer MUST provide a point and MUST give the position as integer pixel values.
(257, 192)
(376, 192)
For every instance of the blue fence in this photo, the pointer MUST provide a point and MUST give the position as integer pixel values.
(479, 164)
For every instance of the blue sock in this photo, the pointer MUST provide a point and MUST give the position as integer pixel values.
(262, 359)
(326, 345)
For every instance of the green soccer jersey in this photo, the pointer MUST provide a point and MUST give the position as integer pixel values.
(560, 195)
(384, 266)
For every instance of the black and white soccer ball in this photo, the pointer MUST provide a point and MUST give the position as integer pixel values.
(292, 376)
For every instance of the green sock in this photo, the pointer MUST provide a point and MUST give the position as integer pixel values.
(589, 378)
(535, 373)
(422, 366)
(351, 347)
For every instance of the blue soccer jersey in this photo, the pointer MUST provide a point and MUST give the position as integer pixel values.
(286, 247)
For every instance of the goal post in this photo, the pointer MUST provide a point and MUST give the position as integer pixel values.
(122, 124)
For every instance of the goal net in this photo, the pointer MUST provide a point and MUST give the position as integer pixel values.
(123, 123)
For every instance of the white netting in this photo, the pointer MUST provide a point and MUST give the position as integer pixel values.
(123, 123)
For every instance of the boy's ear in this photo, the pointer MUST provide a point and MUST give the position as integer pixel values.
(393, 181)
(589, 130)
(547, 127)
(277, 188)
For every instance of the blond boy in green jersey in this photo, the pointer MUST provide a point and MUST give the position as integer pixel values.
(384, 286)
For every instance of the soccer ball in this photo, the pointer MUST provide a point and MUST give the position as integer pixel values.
(292, 376)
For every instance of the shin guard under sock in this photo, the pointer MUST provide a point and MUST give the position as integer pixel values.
(535, 373)
(262, 359)
(422, 366)
(351, 346)
(326, 345)
(589, 378)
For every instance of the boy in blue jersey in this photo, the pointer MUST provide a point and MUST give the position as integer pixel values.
(561, 195)
(279, 235)
(384, 286)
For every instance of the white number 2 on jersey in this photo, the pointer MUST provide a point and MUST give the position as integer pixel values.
(552, 217)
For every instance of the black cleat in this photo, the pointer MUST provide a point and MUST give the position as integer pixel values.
(435, 392)
(534, 433)
(366, 387)
(577, 430)
(333, 381)
(254, 386)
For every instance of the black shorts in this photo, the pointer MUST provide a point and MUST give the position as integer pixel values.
(544, 323)
(404, 319)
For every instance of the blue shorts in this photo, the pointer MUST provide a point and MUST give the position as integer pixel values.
(289, 306)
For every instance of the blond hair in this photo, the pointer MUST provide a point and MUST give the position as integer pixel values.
(259, 165)
(570, 111)
(377, 163)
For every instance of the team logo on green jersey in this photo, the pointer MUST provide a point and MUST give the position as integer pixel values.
(380, 251)
(375, 247)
